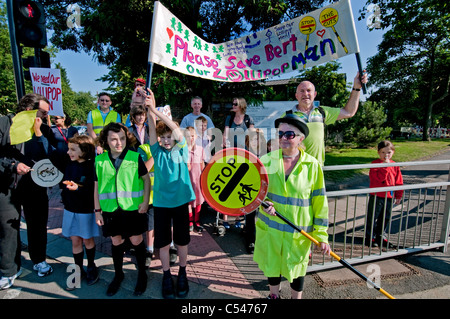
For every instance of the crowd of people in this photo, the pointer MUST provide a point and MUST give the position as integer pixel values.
(139, 184)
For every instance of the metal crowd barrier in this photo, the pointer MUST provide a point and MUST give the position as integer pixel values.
(420, 222)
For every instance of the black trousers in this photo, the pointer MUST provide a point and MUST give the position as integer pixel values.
(9, 237)
(33, 199)
(376, 212)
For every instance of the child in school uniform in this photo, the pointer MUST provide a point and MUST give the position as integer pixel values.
(172, 194)
(78, 199)
(196, 164)
(121, 193)
(376, 211)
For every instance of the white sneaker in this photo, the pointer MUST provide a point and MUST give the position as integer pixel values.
(43, 269)
(7, 282)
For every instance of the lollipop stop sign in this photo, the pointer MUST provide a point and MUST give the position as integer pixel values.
(234, 182)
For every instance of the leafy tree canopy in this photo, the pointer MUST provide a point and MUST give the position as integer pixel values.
(411, 68)
(117, 33)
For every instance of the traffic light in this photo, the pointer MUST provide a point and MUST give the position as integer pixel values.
(41, 59)
(29, 20)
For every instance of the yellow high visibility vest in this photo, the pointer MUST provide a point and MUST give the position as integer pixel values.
(97, 120)
(122, 188)
(279, 249)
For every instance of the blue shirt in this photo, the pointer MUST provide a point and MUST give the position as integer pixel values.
(173, 186)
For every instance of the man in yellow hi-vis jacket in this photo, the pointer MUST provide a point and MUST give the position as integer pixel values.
(297, 191)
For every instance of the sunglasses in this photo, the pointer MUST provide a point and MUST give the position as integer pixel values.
(288, 134)
(235, 104)
(102, 100)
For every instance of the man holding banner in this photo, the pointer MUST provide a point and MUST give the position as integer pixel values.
(316, 117)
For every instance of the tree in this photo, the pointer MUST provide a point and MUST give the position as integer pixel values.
(367, 126)
(75, 104)
(412, 67)
(8, 97)
(117, 33)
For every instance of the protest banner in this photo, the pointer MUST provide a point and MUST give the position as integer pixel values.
(312, 39)
(47, 82)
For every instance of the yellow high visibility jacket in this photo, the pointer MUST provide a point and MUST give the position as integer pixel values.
(97, 120)
(122, 188)
(279, 249)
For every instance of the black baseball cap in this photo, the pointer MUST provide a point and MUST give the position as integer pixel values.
(293, 120)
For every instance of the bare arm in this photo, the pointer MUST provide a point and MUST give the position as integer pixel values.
(352, 104)
(225, 136)
(143, 207)
(90, 130)
(151, 103)
(151, 124)
(98, 215)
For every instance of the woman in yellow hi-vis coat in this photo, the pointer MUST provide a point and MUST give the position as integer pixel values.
(296, 191)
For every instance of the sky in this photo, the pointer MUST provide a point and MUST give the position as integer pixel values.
(83, 70)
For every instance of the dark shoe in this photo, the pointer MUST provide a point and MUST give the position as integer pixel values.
(141, 284)
(273, 296)
(114, 285)
(182, 285)
(167, 288)
(199, 228)
(91, 275)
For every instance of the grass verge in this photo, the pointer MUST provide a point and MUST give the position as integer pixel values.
(405, 151)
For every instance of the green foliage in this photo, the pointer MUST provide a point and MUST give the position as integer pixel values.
(117, 33)
(76, 105)
(8, 98)
(412, 69)
(367, 126)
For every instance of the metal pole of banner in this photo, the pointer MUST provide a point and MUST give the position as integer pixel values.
(149, 63)
(16, 55)
(149, 74)
(360, 69)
